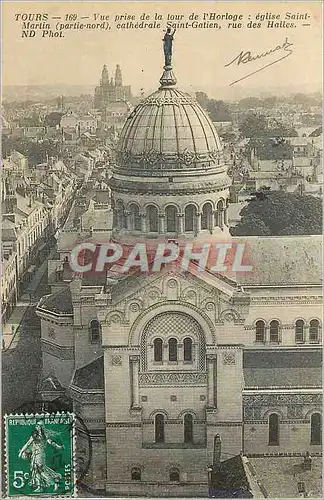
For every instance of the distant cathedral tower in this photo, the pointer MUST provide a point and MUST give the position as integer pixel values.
(104, 76)
(111, 91)
(118, 77)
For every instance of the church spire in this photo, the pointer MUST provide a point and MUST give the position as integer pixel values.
(168, 78)
(104, 75)
(118, 77)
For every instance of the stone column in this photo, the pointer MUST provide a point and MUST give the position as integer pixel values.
(162, 223)
(226, 217)
(143, 222)
(180, 223)
(198, 223)
(210, 218)
(215, 218)
(210, 382)
(221, 218)
(127, 215)
(134, 360)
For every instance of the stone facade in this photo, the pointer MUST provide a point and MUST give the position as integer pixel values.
(211, 387)
(163, 362)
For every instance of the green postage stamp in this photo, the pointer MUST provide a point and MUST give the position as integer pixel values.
(40, 455)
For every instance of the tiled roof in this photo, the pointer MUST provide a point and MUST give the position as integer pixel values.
(90, 376)
(282, 260)
(281, 475)
(282, 368)
(59, 302)
(230, 480)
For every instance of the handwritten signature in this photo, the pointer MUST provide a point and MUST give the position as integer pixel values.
(246, 57)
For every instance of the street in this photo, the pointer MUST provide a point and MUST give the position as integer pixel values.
(21, 366)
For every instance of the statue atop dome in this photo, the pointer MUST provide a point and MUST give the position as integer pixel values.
(168, 78)
(167, 46)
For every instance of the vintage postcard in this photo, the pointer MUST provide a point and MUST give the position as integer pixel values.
(161, 249)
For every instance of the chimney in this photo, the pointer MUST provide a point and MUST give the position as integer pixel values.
(217, 452)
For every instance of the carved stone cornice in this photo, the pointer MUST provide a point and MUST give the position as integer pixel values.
(281, 399)
(287, 300)
(174, 379)
(58, 351)
(152, 161)
(123, 424)
(224, 424)
(146, 188)
(86, 397)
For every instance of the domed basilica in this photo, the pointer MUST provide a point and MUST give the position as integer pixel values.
(170, 177)
(176, 375)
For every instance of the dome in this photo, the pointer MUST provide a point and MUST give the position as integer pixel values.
(170, 178)
(168, 131)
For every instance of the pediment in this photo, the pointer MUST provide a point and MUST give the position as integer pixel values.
(200, 281)
(203, 291)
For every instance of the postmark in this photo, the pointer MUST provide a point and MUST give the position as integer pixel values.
(40, 451)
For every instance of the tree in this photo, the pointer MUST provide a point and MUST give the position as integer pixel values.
(218, 111)
(277, 213)
(227, 136)
(270, 102)
(250, 102)
(267, 148)
(53, 119)
(254, 126)
(33, 120)
(36, 152)
(306, 100)
(202, 99)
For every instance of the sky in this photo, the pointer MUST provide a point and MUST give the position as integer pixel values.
(199, 55)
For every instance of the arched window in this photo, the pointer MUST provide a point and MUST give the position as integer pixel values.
(174, 475)
(135, 217)
(299, 331)
(94, 331)
(274, 331)
(187, 349)
(136, 474)
(190, 212)
(158, 349)
(173, 350)
(171, 219)
(316, 428)
(206, 216)
(188, 428)
(159, 428)
(152, 219)
(260, 331)
(273, 429)
(314, 331)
